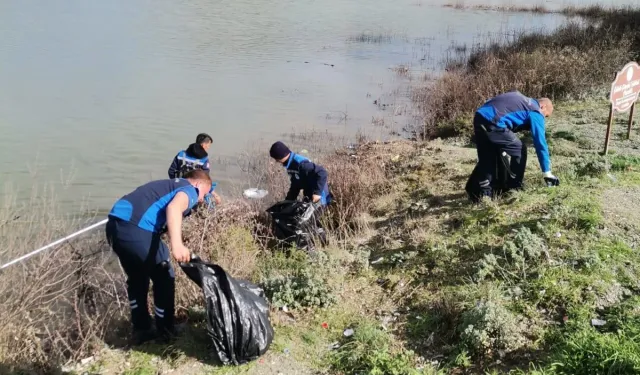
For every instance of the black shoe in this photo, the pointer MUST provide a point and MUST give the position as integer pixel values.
(169, 335)
(142, 336)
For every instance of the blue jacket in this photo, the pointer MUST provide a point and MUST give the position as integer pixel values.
(146, 206)
(515, 112)
(194, 157)
(308, 177)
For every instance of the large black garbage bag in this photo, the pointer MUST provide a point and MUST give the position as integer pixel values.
(297, 223)
(237, 313)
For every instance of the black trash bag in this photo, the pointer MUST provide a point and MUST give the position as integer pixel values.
(500, 175)
(297, 223)
(237, 313)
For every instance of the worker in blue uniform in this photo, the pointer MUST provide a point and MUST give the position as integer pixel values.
(306, 176)
(196, 156)
(133, 230)
(495, 124)
(311, 179)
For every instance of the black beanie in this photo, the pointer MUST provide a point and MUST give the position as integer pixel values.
(279, 150)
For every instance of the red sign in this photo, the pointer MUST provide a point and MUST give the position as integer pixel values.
(626, 87)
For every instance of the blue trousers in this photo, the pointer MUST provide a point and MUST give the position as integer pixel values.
(144, 257)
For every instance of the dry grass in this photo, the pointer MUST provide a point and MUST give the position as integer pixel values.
(539, 8)
(571, 62)
(56, 306)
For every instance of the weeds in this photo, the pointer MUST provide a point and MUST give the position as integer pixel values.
(370, 351)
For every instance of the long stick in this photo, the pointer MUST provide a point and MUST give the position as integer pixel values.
(606, 138)
(34, 252)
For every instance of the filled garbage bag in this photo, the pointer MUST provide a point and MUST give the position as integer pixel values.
(297, 223)
(237, 313)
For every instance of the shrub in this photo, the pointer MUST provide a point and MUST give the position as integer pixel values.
(489, 328)
(304, 289)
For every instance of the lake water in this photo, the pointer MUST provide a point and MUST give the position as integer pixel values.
(96, 97)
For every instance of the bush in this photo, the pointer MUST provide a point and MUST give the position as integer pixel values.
(304, 289)
(489, 328)
(522, 256)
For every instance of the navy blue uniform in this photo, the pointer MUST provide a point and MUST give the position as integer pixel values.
(194, 157)
(495, 123)
(308, 177)
(133, 231)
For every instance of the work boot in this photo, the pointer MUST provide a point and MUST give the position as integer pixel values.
(140, 336)
(170, 334)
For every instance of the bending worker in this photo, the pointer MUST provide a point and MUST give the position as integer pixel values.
(133, 231)
(305, 175)
(309, 177)
(495, 124)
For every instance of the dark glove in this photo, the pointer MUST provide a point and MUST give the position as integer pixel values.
(552, 181)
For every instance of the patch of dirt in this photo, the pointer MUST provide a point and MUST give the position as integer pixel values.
(279, 364)
(620, 206)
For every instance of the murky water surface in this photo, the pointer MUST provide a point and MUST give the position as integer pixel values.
(96, 97)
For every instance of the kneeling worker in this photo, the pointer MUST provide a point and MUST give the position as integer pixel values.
(495, 124)
(133, 230)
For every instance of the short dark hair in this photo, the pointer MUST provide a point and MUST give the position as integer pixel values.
(203, 138)
(197, 174)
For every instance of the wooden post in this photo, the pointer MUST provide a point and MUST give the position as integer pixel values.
(633, 107)
(606, 138)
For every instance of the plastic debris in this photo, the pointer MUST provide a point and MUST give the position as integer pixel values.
(598, 322)
(379, 260)
(334, 345)
(255, 193)
(325, 325)
(86, 360)
(348, 332)
(304, 151)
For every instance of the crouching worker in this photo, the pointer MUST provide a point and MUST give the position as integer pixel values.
(495, 124)
(133, 230)
(306, 176)
(195, 157)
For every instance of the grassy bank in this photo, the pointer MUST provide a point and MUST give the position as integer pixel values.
(415, 280)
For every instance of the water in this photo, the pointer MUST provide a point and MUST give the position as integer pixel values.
(98, 96)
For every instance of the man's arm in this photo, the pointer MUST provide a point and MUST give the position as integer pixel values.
(540, 142)
(176, 207)
(294, 190)
(173, 169)
(206, 166)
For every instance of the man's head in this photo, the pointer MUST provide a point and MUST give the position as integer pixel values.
(280, 152)
(201, 181)
(204, 140)
(546, 107)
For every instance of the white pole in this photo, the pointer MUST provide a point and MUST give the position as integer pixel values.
(53, 244)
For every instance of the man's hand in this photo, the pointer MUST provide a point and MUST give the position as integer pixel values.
(181, 253)
(316, 198)
(216, 198)
(551, 180)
